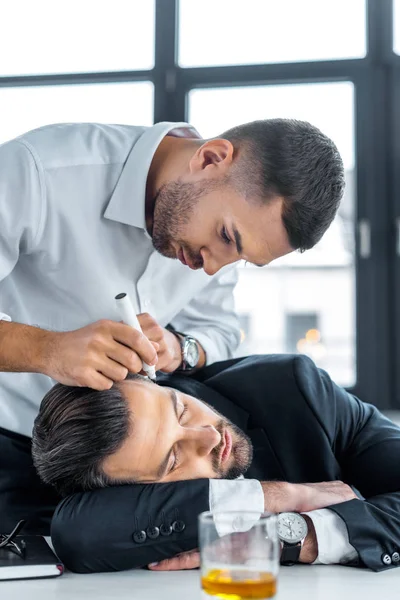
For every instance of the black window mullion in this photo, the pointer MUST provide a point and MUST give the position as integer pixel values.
(272, 73)
(395, 238)
(372, 272)
(76, 78)
(380, 30)
(168, 101)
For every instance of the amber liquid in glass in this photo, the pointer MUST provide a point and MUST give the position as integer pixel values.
(233, 585)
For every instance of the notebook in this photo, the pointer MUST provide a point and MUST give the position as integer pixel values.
(39, 561)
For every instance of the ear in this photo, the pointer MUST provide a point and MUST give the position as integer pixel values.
(214, 156)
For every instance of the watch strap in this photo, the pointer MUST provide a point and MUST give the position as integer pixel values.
(290, 553)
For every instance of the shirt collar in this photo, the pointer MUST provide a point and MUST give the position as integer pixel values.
(127, 204)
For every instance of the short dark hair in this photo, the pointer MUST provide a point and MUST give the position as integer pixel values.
(74, 432)
(295, 160)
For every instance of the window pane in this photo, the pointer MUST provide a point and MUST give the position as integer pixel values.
(25, 108)
(303, 301)
(396, 26)
(229, 32)
(47, 36)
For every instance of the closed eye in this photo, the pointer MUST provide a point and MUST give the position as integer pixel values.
(175, 463)
(225, 236)
(185, 408)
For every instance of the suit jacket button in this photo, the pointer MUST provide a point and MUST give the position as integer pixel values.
(395, 557)
(139, 537)
(178, 526)
(165, 529)
(386, 559)
(153, 533)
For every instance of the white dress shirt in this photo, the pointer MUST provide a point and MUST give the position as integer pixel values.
(72, 236)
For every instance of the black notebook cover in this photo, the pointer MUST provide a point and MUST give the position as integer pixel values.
(39, 561)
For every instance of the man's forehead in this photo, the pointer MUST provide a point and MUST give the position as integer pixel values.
(262, 231)
(133, 388)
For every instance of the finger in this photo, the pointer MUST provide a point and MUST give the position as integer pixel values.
(188, 560)
(146, 320)
(125, 357)
(135, 340)
(99, 382)
(153, 331)
(113, 370)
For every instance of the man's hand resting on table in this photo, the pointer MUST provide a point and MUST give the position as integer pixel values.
(281, 496)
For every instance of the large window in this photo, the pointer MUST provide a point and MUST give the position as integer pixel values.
(31, 107)
(218, 63)
(75, 36)
(237, 32)
(321, 281)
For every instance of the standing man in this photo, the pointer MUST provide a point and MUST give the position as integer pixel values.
(88, 211)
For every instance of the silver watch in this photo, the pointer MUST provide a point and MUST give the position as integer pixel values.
(292, 531)
(190, 352)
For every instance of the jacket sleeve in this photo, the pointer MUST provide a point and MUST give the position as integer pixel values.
(21, 206)
(129, 526)
(211, 318)
(367, 447)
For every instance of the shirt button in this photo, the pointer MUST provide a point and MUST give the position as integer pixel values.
(153, 533)
(178, 526)
(165, 529)
(386, 559)
(139, 537)
(395, 557)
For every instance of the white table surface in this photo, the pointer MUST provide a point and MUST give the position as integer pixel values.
(298, 582)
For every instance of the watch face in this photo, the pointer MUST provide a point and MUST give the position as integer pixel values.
(292, 527)
(191, 353)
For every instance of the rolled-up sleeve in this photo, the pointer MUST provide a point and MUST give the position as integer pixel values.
(21, 206)
(211, 317)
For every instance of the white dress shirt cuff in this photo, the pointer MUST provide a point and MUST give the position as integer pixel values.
(234, 495)
(332, 537)
(4, 317)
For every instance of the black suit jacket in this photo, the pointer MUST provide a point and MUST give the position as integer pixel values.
(304, 428)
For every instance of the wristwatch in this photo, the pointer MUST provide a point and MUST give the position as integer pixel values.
(190, 352)
(292, 531)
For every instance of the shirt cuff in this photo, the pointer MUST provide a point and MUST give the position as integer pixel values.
(235, 495)
(4, 317)
(332, 537)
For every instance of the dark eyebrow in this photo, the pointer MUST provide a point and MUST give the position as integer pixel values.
(238, 240)
(239, 245)
(161, 471)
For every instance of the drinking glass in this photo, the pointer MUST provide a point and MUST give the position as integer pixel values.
(239, 554)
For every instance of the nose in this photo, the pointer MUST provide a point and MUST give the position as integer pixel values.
(211, 263)
(204, 438)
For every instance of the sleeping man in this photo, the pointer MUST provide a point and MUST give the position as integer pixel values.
(136, 464)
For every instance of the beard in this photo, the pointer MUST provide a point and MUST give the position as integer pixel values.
(174, 206)
(242, 451)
